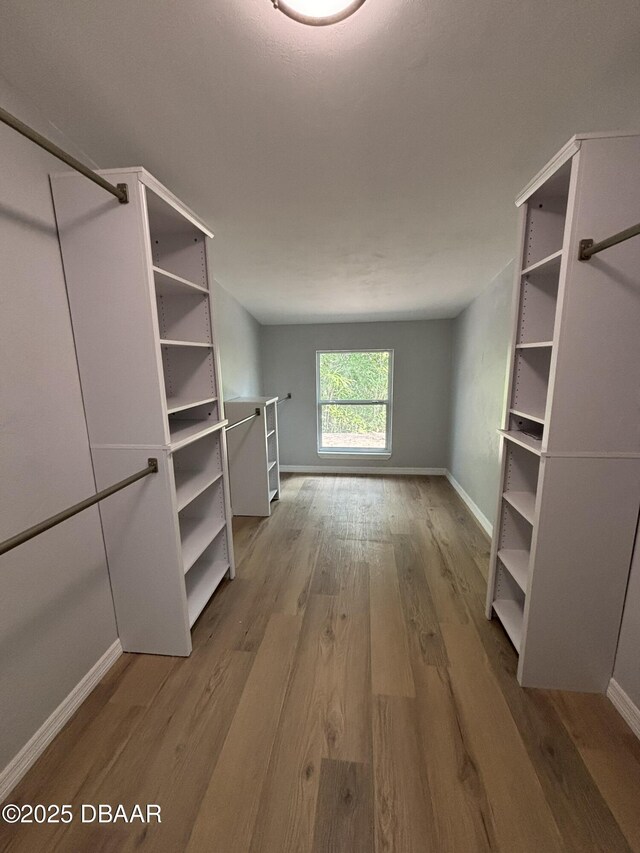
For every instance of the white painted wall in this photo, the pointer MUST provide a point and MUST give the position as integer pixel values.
(239, 340)
(56, 612)
(627, 664)
(421, 387)
(480, 356)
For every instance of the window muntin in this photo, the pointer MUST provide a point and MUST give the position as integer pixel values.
(354, 393)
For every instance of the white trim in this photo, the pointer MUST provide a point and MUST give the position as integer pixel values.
(475, 510)
(33, 749)
(328, 454)
(388, 402)
(624, 706)
(369, 469)
(560, 158)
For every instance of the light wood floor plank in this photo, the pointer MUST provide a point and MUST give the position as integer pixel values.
(344, 813)
(295, 589)
(390, 667)
(403, 814)
(420, 615)
(286, 817)
(229, 807)
(461, 809)
(522, 818)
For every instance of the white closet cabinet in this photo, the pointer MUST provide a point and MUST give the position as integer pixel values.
(254, 462)
(570, 448)
(138, 285)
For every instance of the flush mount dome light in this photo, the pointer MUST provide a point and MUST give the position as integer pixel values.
(318, 13)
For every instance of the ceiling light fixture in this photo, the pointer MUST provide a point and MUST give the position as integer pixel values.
(317, 13)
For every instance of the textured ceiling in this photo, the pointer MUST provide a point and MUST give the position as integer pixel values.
(356, 172)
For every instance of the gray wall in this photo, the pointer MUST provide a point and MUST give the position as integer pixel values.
(480, 355)
(421, 387)
(56, 613)
(627, 665)
(239, 341)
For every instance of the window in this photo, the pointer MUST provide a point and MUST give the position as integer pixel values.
(354, 401)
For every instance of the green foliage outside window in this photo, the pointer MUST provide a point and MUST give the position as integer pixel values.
(354, 376)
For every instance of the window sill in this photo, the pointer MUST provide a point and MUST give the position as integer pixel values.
(333, 454)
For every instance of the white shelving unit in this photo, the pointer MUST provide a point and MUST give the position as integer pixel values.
(138, 284)
(570, 449)
(254, 461)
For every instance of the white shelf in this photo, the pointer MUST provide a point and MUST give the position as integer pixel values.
(517, 564)
(168, 284)
(522, 502)
(511, 615)
(186, 431)
(253, 456)
(524, 440)
(138, 293)
(565, 507)
(548, 262)
(165, 342)
(190, 484)
(527, 415)
(201, 583)
(175, 404)
(195, 535)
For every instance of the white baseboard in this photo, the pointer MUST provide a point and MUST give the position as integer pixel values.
(32, 750)
(361, 469)
(624, 706)
(480, 517)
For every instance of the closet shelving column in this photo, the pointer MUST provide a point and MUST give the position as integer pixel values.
(254, 461)
(138, 284)
(570, 447)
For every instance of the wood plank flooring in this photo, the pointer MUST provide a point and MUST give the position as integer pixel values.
(345, 694)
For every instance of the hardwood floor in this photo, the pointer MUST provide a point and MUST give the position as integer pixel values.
(345, 694)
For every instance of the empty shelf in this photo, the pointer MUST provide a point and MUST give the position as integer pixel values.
(186, 431)
(272, 494)
(548, 262)
(511, 615)
(517, 564)
(201, 583)
(195, 535)
(523, 502)
(537, 344)
(168, 284)
(190, 484)
(176, 404)
(168, 343)
(527, 415)
(527, 441)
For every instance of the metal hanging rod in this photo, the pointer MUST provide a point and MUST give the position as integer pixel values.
(588, 248)
(244, 420)
(284, 399)
(47, 524)
(119, 191)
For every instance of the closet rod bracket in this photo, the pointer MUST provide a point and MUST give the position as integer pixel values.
(587, 248)
(583, 254)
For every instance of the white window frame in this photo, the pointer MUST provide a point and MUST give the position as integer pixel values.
(384, 452)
